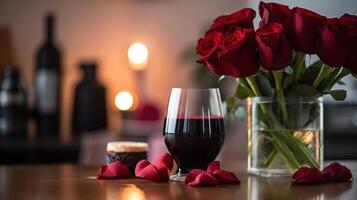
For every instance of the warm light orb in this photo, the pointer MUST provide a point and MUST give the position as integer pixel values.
(124, 100)
(138, 55)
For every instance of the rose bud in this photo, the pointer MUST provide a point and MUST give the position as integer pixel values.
(303, 30)
(242, 18)
(337, 172)
(273, 12)
(307, 175)
(274, 49)
(238, 57)
(339, 41)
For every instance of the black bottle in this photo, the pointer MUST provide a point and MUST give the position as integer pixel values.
(13, 106)
(89, 110)
(48, 84)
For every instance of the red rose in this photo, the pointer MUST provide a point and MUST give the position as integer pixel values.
(337, 172)
(339, 42)
(274, 49)
(351, 21)
(238, 56)
(273, 12)
(233, 55)
(307, 175)
(303, 30)
(208, 46)
(242, 18)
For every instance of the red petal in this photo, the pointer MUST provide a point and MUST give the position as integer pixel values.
(102, 168)
(306, 175)
(150, 173)
(165, 160)
(192, 175)
(164, 173)
(337, 172)
(141, 165)
(226, 177)
(213, 166)
(198, 177)
(114, 170)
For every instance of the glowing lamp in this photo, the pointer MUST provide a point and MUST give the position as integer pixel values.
(124, 100)
(138, 56)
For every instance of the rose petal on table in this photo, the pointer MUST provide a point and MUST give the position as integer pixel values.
(337, 172)
(145, 170)
(307, 175)
(226, 177)
(141, 165)
(164, 172)
(164, 160)
(213, 166)
(150, 173)
(113, 170)
(198, 177)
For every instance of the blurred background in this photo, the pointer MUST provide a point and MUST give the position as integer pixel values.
(113, 64)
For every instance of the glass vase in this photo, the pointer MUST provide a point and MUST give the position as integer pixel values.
(284, 133)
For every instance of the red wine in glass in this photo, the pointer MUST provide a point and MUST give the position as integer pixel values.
(193, 128)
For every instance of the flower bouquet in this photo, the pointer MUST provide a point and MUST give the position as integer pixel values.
(277, 71)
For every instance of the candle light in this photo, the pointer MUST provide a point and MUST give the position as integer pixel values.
(124, 100)
(138, 56)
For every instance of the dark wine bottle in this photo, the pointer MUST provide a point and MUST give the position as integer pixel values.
(89, 109)
(48, 84)
(13, 106)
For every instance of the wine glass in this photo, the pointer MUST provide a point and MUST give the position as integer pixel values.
(193, 128)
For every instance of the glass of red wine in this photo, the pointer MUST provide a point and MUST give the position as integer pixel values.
(193, 128)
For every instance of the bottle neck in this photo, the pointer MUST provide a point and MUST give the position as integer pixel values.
(49, 29)
(11, 78)
(89, 75)
(89, 71)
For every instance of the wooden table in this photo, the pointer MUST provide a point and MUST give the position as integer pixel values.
(77, 182)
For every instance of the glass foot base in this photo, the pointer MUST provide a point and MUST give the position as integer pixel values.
(178, 177)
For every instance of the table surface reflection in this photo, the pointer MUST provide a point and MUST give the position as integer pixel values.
(77, 182)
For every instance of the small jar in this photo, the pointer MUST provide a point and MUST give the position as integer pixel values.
(128, 152)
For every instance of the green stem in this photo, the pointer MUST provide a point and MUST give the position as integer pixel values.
(279, 86)
(299, 60)
(243, 82)
(324, 71)
(294, 145)
(254, 86)
(271, 158)
(330, 78)
(342, 72)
